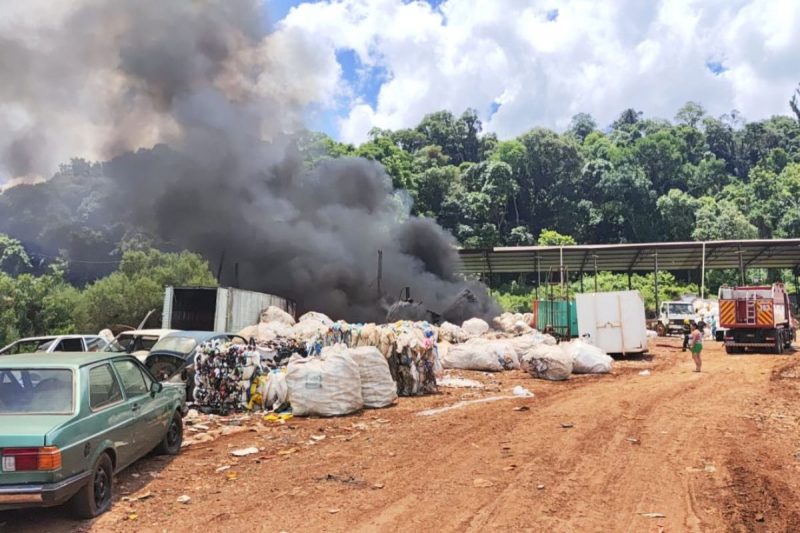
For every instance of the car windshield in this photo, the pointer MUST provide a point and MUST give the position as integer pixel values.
(680, 309)
(132, 343)
(29, 346)
(182, 345)
(35, 391)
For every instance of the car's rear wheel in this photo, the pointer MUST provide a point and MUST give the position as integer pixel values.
(171, 443)
(95, 497)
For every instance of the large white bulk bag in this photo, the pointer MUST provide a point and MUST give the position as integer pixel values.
(476, 354)
(319, 317)
(547, 362)
(589, 359)
(452, 333)
(276, 314)
(307, 329)
(378, 389)
(475, 327)
(506, 354)
(329, 385)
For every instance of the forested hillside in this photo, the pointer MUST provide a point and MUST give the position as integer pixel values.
(639, 179)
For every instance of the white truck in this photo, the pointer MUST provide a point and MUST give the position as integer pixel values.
(672, 317)
(612, 321)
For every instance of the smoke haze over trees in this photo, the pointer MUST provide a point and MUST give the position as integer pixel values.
(197, 130)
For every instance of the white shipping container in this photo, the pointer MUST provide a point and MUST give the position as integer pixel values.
(217, 308)
(613, 321)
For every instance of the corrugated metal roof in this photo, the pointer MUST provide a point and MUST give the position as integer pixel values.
(633, 257)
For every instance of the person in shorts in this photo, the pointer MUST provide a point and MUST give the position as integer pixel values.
(696, 345)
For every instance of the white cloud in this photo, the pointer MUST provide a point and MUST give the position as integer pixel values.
(597, 57)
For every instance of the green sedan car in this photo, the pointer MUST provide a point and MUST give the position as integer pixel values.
(70, 421)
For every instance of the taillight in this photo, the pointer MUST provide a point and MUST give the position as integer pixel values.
(31, 459)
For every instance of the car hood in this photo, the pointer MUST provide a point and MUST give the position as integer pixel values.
(28, 430)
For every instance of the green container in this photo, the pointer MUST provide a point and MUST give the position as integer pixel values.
(561, 314)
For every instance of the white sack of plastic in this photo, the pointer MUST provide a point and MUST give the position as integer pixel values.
(378, 389)
(319, 317)
(547, 362)
(475, 327)
(276, 314)
(588, 359)
(329, 385)
(476, 354)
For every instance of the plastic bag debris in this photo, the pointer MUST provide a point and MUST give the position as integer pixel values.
(644, 373)
(459, 383)
(245, 451)
(521, 391)
(588, 359)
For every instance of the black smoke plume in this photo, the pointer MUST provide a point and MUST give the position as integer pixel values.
(200, 83)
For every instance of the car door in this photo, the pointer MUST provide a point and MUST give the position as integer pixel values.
(111, 413)
(152, 410)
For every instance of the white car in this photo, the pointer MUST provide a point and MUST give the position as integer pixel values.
(56, 343)
(138, 342)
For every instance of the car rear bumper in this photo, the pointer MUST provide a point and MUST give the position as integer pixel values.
(40, 495)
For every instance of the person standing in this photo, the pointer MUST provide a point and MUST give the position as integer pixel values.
(686, 332)
(696, 345)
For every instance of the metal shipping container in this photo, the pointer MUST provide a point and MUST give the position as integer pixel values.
(217, 308)
(613, 321)
(558, 313)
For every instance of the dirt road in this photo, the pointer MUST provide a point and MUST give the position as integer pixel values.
(672, 451)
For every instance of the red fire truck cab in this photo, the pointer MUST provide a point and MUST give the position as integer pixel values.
(757, 317)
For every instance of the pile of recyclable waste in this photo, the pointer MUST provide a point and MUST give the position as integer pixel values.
(319, 367)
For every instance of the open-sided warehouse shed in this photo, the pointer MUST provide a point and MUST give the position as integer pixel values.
(634, 257)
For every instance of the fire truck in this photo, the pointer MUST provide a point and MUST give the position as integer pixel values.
(756, 317)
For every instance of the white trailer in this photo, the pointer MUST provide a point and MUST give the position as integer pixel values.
(613, 321)
(217, 308)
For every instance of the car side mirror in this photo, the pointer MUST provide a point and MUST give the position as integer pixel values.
(156, 387)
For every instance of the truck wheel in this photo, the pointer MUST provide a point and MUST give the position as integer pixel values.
(779, 343)
(95, 497)
(171, 443)
(661, 330)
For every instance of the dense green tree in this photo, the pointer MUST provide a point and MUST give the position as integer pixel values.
(677, 210)
(13, 257)
(128, 294)
(582, 125)
(720, 220)
(549, 237)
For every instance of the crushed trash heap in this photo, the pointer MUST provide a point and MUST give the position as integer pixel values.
(320, 367)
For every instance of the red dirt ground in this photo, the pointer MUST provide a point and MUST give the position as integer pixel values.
(673, 451)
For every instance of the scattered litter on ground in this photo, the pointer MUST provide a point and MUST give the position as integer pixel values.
(652, 515)
(567, 425)
(522, 408)
(184, 499)
(245, 451)
(482, 483)
(459, 383)
(519, 390)
(459, 405)
(644, 373)
(540, 486)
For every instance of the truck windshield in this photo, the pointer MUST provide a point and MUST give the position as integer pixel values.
(680, 309)
(35, 391)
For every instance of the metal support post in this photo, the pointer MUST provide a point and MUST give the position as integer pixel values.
(703, 274)
(655, 277)
(741, 267)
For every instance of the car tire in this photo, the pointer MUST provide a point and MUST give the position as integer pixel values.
(661, 330)
(94, 498)
(171, 443)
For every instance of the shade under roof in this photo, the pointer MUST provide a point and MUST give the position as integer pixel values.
(772, 253)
